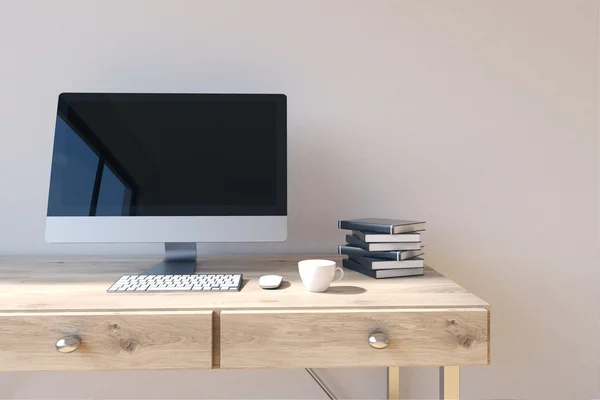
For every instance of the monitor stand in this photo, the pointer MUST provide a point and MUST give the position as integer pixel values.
(180, 259)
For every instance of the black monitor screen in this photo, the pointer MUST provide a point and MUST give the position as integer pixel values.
(169, 155)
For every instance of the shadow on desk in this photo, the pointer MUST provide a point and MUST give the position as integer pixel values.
(332, 289)
(345, 290)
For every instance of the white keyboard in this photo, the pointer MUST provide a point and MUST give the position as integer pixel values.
(178, 283)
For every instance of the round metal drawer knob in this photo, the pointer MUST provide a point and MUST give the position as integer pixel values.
(68, 344)
(379, 340)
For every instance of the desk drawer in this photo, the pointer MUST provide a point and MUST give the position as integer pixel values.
(340, 338)
(108, 341)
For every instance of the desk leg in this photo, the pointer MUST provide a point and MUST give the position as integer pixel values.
(313, 374)
(449, 383)
(393, 383)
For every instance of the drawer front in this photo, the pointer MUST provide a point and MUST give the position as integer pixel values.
(108, 341)
(335, 338)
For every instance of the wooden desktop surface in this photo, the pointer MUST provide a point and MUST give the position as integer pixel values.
(69, 284)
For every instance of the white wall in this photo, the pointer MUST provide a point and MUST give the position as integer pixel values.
(479, 116)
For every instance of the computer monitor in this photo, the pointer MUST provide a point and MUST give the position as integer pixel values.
(172, 168)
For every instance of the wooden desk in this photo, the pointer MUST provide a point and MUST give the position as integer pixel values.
(429, 320)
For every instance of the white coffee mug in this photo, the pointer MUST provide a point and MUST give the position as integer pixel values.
(317, 275)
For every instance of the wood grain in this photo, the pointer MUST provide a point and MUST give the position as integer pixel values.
(335, 338)
(216, 340)
(77, 284)
(109, 341)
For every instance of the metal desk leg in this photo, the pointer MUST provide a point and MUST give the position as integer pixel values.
(393, 383)
(449, 383)
(313, 374)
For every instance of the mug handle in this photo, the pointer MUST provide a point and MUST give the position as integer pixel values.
(341, 274)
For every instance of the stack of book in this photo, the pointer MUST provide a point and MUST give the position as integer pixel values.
(383, 248)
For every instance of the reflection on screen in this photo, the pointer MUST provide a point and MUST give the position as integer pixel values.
(74, 167)
(114, 197)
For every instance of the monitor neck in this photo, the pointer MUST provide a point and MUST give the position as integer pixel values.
(180, 259)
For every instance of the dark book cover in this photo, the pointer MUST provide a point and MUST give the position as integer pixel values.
(353, 240)
(382, 225)
(371, 237)
(381, 273)
(376, 263)
(397, 255)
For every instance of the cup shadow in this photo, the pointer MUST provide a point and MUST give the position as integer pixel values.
(345, 290)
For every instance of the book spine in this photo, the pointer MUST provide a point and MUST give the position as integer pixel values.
(351, 251)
